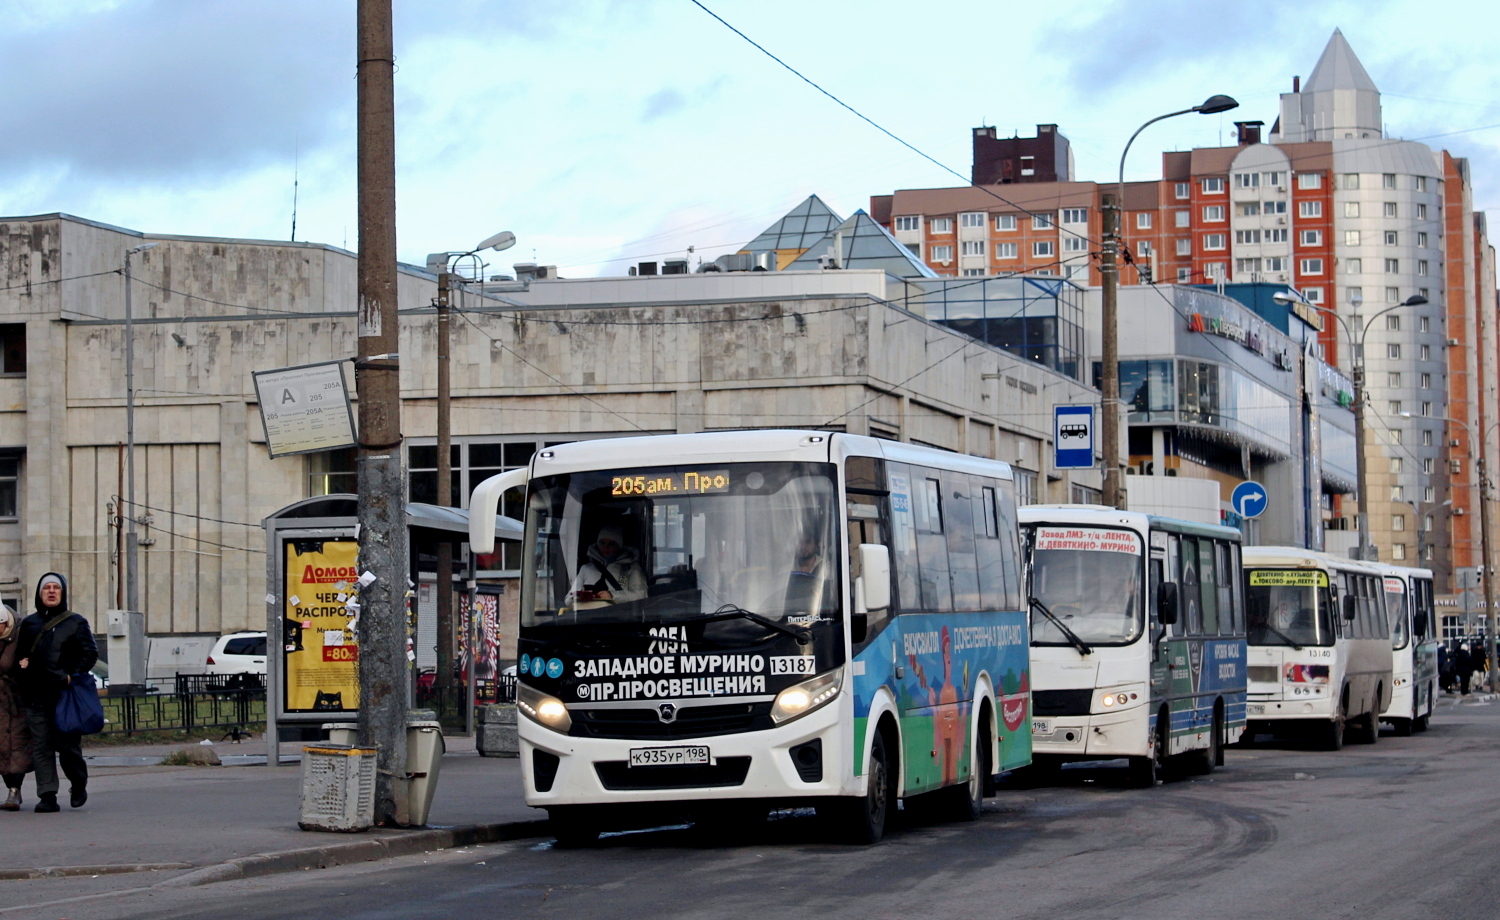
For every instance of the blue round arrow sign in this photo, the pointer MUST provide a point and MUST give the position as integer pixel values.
(1249, 499)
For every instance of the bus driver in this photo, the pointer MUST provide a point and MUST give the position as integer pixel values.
(612, 573)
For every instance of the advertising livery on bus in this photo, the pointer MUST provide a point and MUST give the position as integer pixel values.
(1320, 644)
(1137, 638)
(1414, 642)
(725, 622)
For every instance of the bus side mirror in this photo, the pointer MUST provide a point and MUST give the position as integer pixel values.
(1166, 603)
(1419, 623)
(875, 569)
(859, 627)
(1350, 610)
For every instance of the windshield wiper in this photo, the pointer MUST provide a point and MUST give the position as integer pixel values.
(802, 634)
(1072, 637)
(1284, 637)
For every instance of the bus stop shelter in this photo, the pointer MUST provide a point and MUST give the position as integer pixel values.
(312, 610)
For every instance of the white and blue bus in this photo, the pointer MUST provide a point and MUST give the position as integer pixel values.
(722, 623)
(1320, 644)
(1414, 642)
(1137, 638)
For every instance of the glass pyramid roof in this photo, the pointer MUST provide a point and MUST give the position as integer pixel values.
(864, 244)
(802, 226)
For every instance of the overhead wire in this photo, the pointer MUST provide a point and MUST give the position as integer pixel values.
(877, 126)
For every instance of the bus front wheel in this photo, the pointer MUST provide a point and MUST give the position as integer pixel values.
(863, 820)
(573, 827)
(1369, 725)
(1145, 771)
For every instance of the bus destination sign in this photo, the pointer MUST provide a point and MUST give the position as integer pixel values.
(670, 482)
(1288, 578)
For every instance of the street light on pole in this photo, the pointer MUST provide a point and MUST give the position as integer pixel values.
(499, 242)
(1486, 562)
(1357, 355)
(132, 543)
(1109, 389)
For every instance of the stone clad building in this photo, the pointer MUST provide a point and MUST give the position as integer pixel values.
(543, 362)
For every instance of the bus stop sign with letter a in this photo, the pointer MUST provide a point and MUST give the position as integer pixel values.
(1073, 437)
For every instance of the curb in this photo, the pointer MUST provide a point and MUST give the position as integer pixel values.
(339, 854)
(72, 871)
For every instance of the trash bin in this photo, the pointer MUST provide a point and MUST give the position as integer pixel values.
(342, 732)
(497, 731)
(338, 788)
(424, 758)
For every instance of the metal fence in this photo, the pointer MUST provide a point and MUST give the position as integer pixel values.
(191, 702)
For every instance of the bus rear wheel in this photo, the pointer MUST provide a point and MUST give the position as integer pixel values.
(1213, 755)
(966, 801)
(1369, 724)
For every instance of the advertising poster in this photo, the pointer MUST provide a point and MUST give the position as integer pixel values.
(320, 657)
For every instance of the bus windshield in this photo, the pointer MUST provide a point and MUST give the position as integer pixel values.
(732, 548)
(1288, 607)
(1090, 578)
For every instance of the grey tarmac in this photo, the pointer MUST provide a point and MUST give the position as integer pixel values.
(1402, 829)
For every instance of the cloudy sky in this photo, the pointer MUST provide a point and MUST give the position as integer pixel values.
(603, 132)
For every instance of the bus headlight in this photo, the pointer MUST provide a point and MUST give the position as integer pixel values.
(800, 699)
(544, 709)
(1114, 699)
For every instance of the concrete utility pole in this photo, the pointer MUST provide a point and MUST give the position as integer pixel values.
(1488, 579)
(383, 672)
(132, 512)
(1109, 384)
(447, 686)
(1109, 387)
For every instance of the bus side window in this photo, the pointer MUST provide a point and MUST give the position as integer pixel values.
(1174, 554)
(1010, 540)
(864, 508)
(1228, 615)
(961, 531)
(989, 548)
(1208, 577)
(932, 546)
(904, 539)
(1154, 577)
(1192, 612)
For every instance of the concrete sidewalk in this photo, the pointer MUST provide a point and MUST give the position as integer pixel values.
(201, 824)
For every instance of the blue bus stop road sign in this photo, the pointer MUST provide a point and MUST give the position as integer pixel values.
(1073, 437)
(1249, 499)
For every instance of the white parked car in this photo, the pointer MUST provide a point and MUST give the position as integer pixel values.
(238, 653)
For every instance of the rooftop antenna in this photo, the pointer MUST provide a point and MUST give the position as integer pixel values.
(296, 164)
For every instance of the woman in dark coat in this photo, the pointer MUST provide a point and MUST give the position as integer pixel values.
(56, 643)
(15, 739)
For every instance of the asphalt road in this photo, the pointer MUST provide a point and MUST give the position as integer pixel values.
(1404, 829)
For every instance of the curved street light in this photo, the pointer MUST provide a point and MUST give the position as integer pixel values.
(1488, 577)
(1357, 356)
(499, 242)
(1109, 395)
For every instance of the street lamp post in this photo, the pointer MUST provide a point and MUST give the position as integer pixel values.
(1357, 354)
(132, 542)
(1109, 387)
(445, 651)
(1486, 566)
